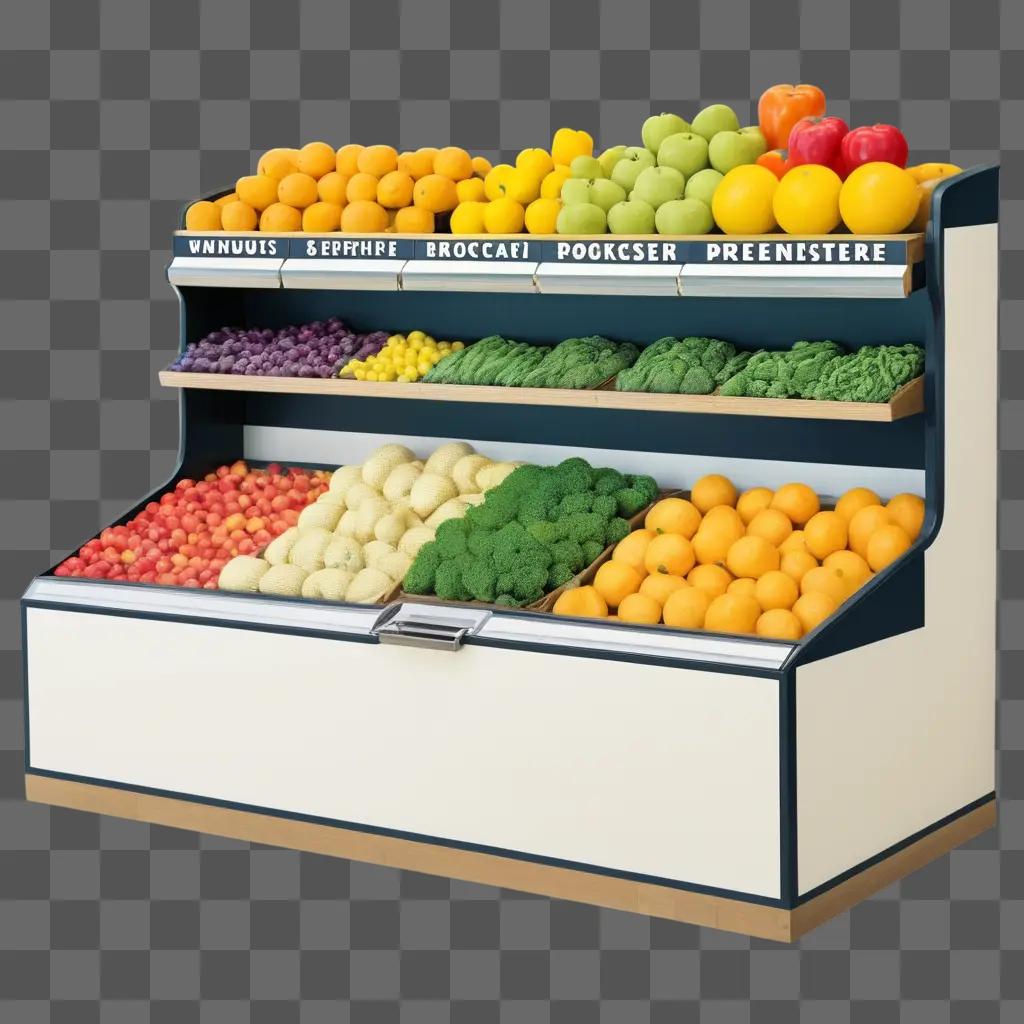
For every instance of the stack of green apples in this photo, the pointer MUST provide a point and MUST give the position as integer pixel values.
(665, 185)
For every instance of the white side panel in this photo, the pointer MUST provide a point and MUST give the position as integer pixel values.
(896, 735)
(658, 771)
(332, 447)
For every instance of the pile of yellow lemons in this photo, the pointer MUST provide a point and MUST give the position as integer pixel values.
(404, 357)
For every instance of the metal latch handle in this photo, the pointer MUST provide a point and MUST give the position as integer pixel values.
(436, 636)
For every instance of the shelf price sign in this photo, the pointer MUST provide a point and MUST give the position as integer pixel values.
(482, 250)
(615, 251)
(222, 246)
(350, 247)
(860, 252)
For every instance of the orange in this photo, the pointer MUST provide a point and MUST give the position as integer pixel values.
(317, 159)
(298, 190)
(878, 198)
(864, 523)
(436, 193)
(361, 186)
(686, 608)
(632, 548)
(717, 533)
(481, 166)
(712, 579)
(742, 201)
(280, 217)
(806, 201)
(331, 188)
(832, 582)
(776, 589)
(231, 197)
(238, 216)
(394, 190)
(779, 624)
(813, 608)
(752, 556)
(851, 565)
(615, 580)
(278, 163)
(824, 533)
(321, 217)
(414, 220)
(907, 510)
(673, 515)
(669, 553)
(854, 500)
(797, 563)
(712, 490)
(771, 524)
(886, 544)
(258, 190)
(454, 163)
(377, 160)
(641, 609)
(753, 501)
(661, 587)
(363, 216)
(203, 216)
(583, 602)
(744, 585)
(470, 190)
(798, 501)
(732, 613)
(794, 542)
(347, 159)
(417, 163)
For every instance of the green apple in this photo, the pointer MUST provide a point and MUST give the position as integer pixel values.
(575, 190)
(605, 193)
(633, 160)
(714, 119)
(702, 186)
(657, 185)
(581, 219)
(610, 157)
(633, 217)
(586, 167)
(683, 217)
(733, 149)
(659, 127)
(687, 152)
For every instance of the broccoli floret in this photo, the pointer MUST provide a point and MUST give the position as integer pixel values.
(696, 381)
(508, 543)
(498, 508)
(523, 480)
(544, 532)
(630, 501)
(605, 506)
(535, 508)
(450, 538)
(646, 485)
(617, 529)
(420, 577)
(569, 553)
(480, 580)
(608, 481)
(504, 582)
(508, 601)
(573, 476)
(448, 583)
(558, 575)
(581, 501)
(592, 550)
(528, 582)
(480, 542)
(583, 526)
(871, 374)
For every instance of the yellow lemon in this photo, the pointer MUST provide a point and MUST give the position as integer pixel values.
(495, 179)
(522, 186)
(468, 218)
(541, 215)
(536, 162)
(470, 190)
(925, 172)
(742, 203)
(878, 199)
(568, 144)
(806, 201)
(504, 217)
(551, 183)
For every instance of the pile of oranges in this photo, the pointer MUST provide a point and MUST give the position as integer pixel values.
(764, 562)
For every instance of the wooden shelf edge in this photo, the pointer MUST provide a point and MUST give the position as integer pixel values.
(908, 401)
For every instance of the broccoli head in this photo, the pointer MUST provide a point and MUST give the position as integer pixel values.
(573, 475)
(646, 485)
(558, 575)
(568, 553)
(450, 538)
(696, 381)
(420, 577)
(608, 481)
(480, 579)
(480, 542)
(528, 582)
(508, 601)
(535, 508)
(617, 529)
(583, 526)
(448, 583)
(504, 583)
(580, 501)
(630, 501)
(497, 509)
(592, 551)
(544, 532)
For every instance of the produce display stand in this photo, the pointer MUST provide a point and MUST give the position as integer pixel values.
(745, 784)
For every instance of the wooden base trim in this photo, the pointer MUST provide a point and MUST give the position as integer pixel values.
(489, 869)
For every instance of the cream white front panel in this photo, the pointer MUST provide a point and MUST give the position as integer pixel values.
(658, 771)
(896, 735)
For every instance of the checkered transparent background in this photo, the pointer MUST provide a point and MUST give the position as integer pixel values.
(115, 112)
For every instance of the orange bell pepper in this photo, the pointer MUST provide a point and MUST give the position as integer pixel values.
(781, 106)
(776, 160)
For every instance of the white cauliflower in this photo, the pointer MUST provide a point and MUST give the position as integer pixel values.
(367, 515)
(381, 462)
(369, 586)
(358, 493)
(332, 498)
(346, 524)
(344, 477)
(414, 538)
(283, 580)
(276, 552)
(442, 460)
(395, 564)
(465, 470)
(404, 509)
(374, 551)
(490, 476)
(400, 480)
(328, 583)
(453, 508)
(430, 492)
(344, 553)
(323, 514)
(243, 573)
(390, 527)
(308, 551)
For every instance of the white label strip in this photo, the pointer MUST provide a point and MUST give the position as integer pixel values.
(228, 272)
(469, 276)
(330, 274)
(770, 280)
(608, 279)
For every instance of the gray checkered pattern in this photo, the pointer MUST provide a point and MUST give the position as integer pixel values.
(115, 112)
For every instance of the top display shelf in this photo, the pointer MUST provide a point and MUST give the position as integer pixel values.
(829, 266)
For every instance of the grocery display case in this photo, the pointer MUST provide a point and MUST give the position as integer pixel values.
(747, 784)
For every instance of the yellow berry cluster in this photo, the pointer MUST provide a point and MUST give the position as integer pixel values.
(405, 357)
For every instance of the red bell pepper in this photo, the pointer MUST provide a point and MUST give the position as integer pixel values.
(818, 140)
(871, 143)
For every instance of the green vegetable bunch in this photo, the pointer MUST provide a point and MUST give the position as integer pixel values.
(871, 374)
(581, 363)
(791, 373)
(532, 533)
(683, 366)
